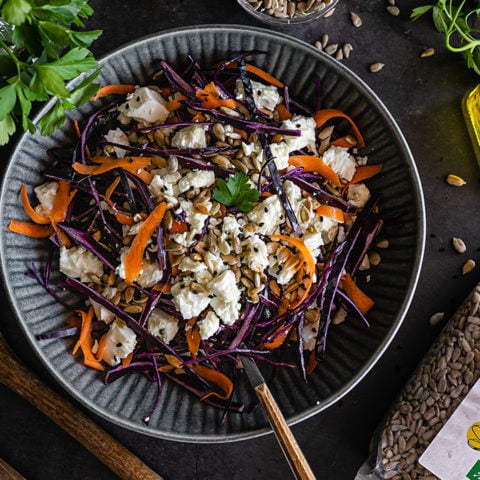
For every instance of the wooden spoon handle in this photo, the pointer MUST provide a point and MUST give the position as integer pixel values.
(113, 454)
(9, 473)
(292, 451)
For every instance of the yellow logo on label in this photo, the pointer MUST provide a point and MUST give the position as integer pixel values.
(473, 436)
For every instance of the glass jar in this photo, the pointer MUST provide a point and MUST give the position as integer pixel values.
(292, 12)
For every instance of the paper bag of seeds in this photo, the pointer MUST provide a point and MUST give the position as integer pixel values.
(442, 380)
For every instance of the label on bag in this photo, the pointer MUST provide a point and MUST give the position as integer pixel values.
(454, 454)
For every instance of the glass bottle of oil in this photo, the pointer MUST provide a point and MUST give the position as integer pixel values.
(471, 111)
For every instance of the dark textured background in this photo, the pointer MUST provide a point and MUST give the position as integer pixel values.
(424, 95)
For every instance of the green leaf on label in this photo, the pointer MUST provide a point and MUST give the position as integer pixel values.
(236, 192)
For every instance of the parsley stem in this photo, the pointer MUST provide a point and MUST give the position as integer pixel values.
(9, 52)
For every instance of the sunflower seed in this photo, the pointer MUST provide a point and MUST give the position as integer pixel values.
(347, 48)
(428, 52)
(468, 266)
(459, 245)
(436, 318)
(393, 10)
(331, 49)
(318, 44)
(376, 67)
(324, 40)
(356, 20)
(455, 180)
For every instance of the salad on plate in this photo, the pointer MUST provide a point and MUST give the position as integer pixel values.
(203, 216)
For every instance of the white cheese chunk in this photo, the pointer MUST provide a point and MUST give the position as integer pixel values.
(101, 312)
(143, 105)
(307, 137)
(46, 193)
(119, 343)
(229, 312)
(162, 325)
(267, 215)
(189, 265)
(341, 162)
(188, 303)
(209, 325)
(196, 179)
(118, 136)
(224, 286)
(190, 137)
(266, 97)
(255, 253)
(78, 262)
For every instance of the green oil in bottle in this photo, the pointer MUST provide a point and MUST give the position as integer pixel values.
(471, 111)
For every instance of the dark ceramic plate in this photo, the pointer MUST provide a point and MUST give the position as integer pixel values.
(352, 349)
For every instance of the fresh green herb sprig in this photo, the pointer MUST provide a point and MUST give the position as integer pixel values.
(42, 47)
(236, 192)
(456, 20)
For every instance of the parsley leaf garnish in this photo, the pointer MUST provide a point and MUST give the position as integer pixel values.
(39, 54)
(236, 192)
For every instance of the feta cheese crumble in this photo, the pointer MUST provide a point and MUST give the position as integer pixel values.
(119, 343)
(143, 105)
(162, 325)
(78, 262)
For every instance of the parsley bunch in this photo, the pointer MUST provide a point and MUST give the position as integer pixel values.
(42, 47)
(456, 20)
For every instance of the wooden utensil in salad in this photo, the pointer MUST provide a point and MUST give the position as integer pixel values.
(109, 451)
(290, 447)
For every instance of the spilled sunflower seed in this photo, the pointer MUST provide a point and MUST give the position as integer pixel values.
(376, 67)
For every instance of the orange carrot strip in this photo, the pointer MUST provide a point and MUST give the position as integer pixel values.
(178, 227)
(198, 117)
(322, 116)
(134, 257)
(310, 163)
(278, 341)
(89, 359)
(29, 210)
(193, 337)
(364, 172)
(114, 89)
(101, 347)
(105, 164)
(330, 212)
(126, 361)
(111, 188)
(283, 113)
(344, 142)
(216, 378)
(85, 329)
(363, 302)
(308, 259)
(266, 194)
(76, 126)
(311, 363)
(175, 103)
(264, 75)
(30, 229)
(61, 202)
(134, 165)
(211, 99)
